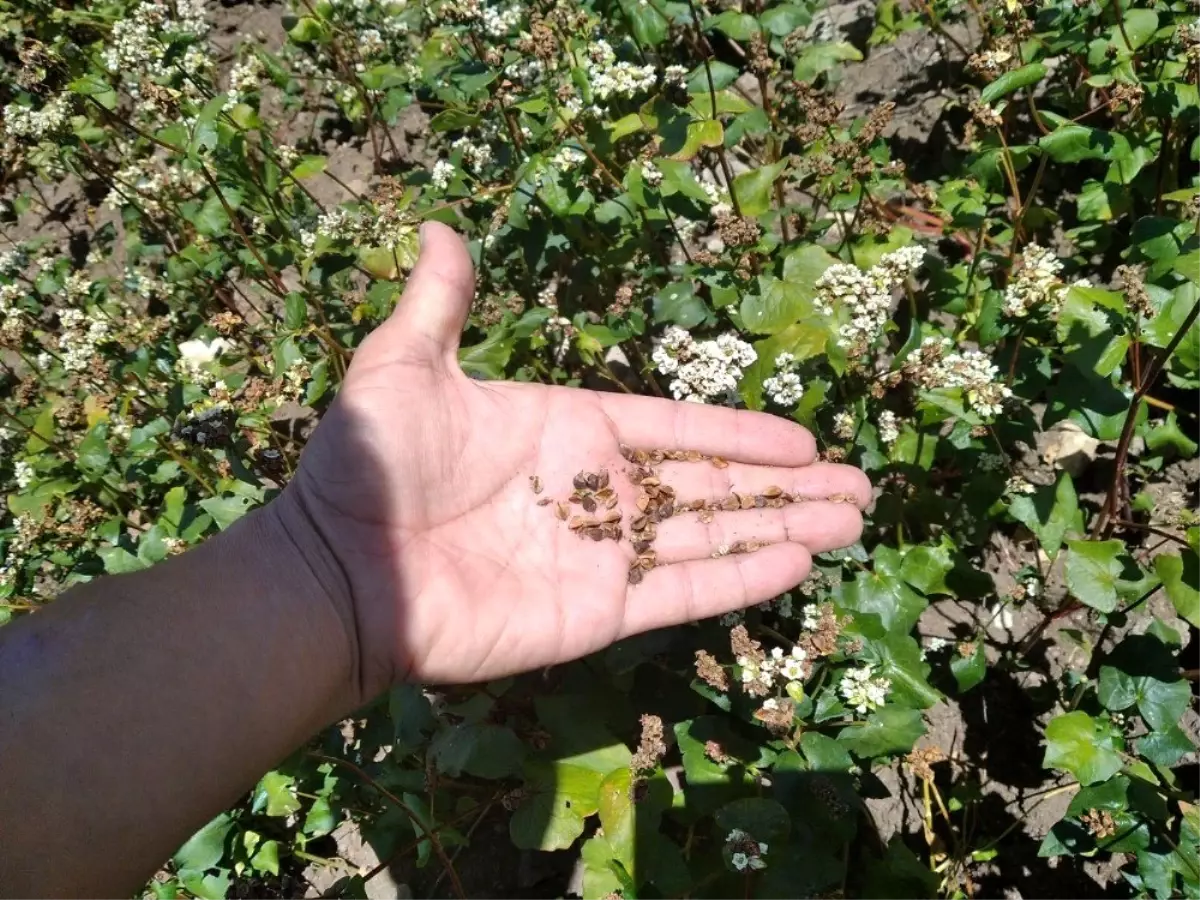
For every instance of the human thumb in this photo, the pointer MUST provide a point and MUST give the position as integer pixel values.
(438, 295)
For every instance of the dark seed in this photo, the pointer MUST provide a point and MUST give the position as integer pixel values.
(641, 546)
(535, 483)
(596, 534)
(545, 501)
(588, 504)
(580, 481)
(635, 576)
(602, 478)
(593, 481)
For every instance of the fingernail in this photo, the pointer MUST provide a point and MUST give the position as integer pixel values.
(421, 236)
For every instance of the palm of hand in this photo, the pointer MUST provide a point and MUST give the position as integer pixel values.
(424, 496)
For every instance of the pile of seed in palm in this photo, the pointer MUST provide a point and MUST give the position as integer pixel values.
(598, 518)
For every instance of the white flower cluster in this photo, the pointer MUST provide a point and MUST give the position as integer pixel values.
(137, 46)
(1019, 484)
(784, 386)
(971, 370)
(703, 370)
(747, 852)
(862, 691)
(567, 158)
(844, 425)
(360, 228)
(196, 355)
(867, 296)
(22, 474)
(443, 173)
(499, 22)
(371, 43)
(1036, 282)
(651, 174)
(148, 182)
(937, 644)
(81, 336)
(778, 666)
(13, 261)
(476, 154)
(610, 78)
(717, 203)
(35, 124)
(245, 78)
(889, 427)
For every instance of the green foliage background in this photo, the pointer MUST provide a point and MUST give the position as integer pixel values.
(226, 286)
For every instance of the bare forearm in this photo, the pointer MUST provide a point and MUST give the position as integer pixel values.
(134, 708)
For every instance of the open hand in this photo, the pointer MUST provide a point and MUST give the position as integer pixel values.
(418, 483)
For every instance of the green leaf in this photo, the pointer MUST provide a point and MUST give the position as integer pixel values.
(738, 25)
(1112, 794)
(1180, 574)
(1166, 747)
(320, 819)
(482, 750)
(699, 134)
(891, 730)
(276, 792)
(884, 594)
(816, 59)
(453, 120)
(926, 567)
(1074, 143)
(723, 75)
(308, 167)
(1088, 748)
(753, 189)
(824, 754)
(1093, 568)
(1050, 513)
(898, 658)
(785, 18)
(558, 798)
(266, 858)
(678, 303)
(227, 509)
(206, 848)
(650, 28)
(118, 560)
(295, 310)
(307, 31)
(488, 358)
(775, 305)
(764, 820)
(1028, 74)
(969, 671)
(1138, 25)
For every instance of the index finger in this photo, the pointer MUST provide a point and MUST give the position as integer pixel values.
(652, 423)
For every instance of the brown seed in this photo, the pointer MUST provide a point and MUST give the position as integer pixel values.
(667, 491)
(582, 522)
(786, 497)
(646, 562)
(649, 556)
(603, 495)
(639, 522)
(535, 483)
(640, 457)
(580, 481)
(777, 503)
(593, 481)
(602, 478)
(760, 501)
(729, 504)
(842, 498)
(666, 510)
(652, 492)
(694, 456)
(772, 491)
(656, 457)
(589, 504)
(698, 505)
(596, 534)
(635, 575)
(746, 501)
(613, 515)
(627, 452)
(545, 501)
(643, 502)
(649, 533)
(652, 481)
(641, 546)
(615, 532)
(561, 510)
(576, 497)
(611, 501)
(706, 516)
(719, 462)
(737, 547)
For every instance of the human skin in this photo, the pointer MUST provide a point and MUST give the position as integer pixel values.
(408, 546)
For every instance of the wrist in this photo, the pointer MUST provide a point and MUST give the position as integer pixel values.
(305, 567)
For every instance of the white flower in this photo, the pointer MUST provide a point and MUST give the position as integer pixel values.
(740, 861)
(1018, 484)
(23, 474)
(1032, 588)
(443, 174)
(844, 425)
(784, 387)
(866, 296)
(567, 158)
(889, 427)
(197, 353)
(651, 174)
(703, 370)
(770, 703)
(861, 691)
(937, 644)
(1035, 283)
(971, 370)
(610, 79)
(35, 124)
